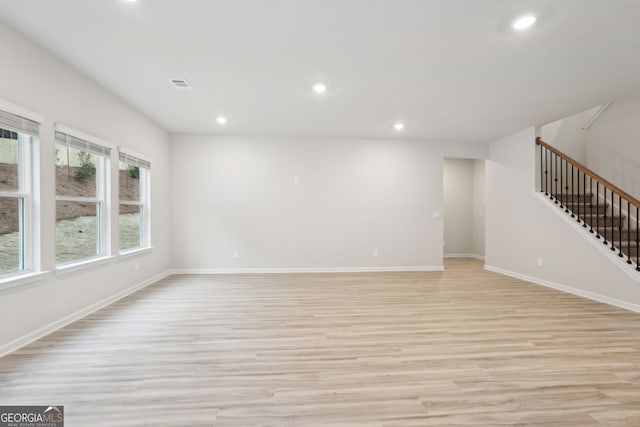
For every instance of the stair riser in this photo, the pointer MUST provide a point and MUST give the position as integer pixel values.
(617, 234)
(631, 246)
(604, 223)
(587, 208)
(611, 228)
(573, 198)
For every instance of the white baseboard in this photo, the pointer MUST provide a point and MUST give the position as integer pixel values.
(18, 343)
(568, 289)
(305, 270)
(480, 257)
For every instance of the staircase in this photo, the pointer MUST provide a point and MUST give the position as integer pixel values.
(605, 211)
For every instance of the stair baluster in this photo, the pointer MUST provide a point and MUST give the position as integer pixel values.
(604, 240)
(578, 201)
(591, 205)
(613, 226)
(555, 177)
(572, 197)
(566, 185)
(621, 226)
(573, 190)
(637, 238)
(598, 210)
(629, 231)
(543, 172)
(584, 191)
(549, 174)
(546, 172)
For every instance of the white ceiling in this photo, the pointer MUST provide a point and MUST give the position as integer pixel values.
(451, 69)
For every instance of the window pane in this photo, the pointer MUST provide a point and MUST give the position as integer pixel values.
(76, 230)
(8, 161)
(10, 242)
(130, 226)
(129, 182)
(75, 172)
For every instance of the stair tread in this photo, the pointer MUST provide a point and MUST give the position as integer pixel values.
(601, 205)
(626, 243)
(605, 222)
(603, 216)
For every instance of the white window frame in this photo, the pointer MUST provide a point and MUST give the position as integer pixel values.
(26, 194)
(143, 163)
(102, 198)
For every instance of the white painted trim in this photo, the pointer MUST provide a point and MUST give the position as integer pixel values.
(18, 343)
(480, 257)
(78, 199)
(132, 153)
(21, 279)
(83, 135)
(628, 269)
(305, 270)
(20, 111)
(568, 289)
(14, 195)
(596, 115)
(137, 251)
(75, 266)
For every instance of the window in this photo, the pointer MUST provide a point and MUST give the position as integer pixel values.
(18, 136)
(82, 182)
(134, 202)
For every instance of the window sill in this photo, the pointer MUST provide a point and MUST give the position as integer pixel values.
(136, 251)
(81, 265)
(21, 279)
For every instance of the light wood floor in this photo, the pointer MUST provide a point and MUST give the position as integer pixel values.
(464, 347)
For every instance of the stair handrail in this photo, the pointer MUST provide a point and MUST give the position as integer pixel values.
(589, 172)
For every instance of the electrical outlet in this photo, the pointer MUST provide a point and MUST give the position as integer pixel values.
(235, 254)
(374, 253)
(296, 180)
(136, 266)
(540, 262)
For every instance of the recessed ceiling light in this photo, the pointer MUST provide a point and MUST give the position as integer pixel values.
(524, 22)
(398, 126)
(319, 88)
(221, 120)
(130, 1)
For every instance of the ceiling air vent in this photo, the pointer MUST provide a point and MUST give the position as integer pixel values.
(181, 84)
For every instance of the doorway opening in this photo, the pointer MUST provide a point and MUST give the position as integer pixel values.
(464, 208)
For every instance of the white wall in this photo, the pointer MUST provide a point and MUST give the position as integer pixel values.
(463, 218)
(568, 136)
(355, 195)
(610, 146)
(458, 206)
(522, 227)
(613, 148)
(478, 218)
(39, 82)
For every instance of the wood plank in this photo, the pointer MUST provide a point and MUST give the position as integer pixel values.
(460, 347)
